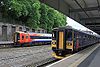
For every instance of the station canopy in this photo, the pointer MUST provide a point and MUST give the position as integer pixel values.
(85, 12)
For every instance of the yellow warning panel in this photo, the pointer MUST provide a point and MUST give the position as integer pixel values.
(57, 57)
(61, 37)
(69, 45)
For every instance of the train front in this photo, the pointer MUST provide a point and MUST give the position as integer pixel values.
(20, 38)
(16, 38)
(62, 42)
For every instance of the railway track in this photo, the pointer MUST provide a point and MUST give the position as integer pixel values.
(43, 63)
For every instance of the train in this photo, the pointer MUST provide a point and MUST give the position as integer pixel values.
(67, 40)
(30, 38)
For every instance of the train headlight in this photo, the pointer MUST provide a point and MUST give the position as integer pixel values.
(70, 44)
(53, 43)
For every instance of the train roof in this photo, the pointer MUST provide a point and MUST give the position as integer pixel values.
(69, 27)
(36, 34)
(41, 34)
(32, 32)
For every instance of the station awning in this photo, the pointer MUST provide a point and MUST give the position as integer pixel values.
(86, 12)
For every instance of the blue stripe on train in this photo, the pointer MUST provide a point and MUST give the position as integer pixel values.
(40, 41)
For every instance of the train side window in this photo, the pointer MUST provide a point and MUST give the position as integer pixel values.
(83, 36)
(90, 37)
(22, 37)
(80, 35)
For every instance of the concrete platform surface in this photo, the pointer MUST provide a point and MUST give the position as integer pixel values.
(6, 42)
(77, 59)
(93, 60)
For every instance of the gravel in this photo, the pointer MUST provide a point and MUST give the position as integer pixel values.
(23, 56)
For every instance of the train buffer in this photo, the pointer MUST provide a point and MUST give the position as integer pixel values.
(6, 42)
(89, 57)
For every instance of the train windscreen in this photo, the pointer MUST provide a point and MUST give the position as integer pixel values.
(69, 35)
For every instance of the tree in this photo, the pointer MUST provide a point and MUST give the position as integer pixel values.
(43, 18)
(32, 13)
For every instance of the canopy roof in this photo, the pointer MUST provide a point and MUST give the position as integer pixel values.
(86, 12)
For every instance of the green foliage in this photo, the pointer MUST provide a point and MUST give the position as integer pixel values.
(44, 17)
(33, 14)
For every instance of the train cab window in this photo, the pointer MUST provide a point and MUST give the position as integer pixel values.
(26, 37)
(22, 37)
(69, 35)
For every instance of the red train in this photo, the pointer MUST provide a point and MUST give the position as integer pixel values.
(29, 38)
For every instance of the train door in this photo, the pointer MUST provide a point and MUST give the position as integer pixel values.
(69, 39)
(76, 40)
(58, 39)
(22, 38)
(61, 39)
(26, 38)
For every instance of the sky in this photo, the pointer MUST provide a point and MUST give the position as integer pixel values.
(76, 25)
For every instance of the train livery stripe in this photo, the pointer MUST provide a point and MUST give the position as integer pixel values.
(61, 35)
(42, 40)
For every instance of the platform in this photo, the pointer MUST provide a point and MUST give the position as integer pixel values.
(93, 60)
(6, 42)
(89, 57)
